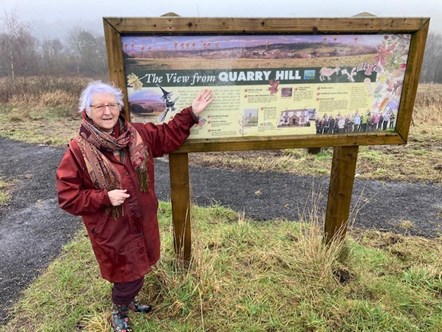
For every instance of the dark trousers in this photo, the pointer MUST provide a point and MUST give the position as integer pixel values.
(124, 293)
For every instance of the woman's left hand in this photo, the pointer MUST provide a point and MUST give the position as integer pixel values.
(201, 101)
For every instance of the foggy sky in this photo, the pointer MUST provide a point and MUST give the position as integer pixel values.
(54, 18)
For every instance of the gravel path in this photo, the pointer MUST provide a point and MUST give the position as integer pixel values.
(33, 229)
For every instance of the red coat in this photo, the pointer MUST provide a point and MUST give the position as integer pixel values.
(125, 248)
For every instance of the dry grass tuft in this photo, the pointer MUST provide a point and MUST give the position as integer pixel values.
(31, 89)
(5, 186)
(58, 98)
(97, 322)
(428, 95)
(406, 225)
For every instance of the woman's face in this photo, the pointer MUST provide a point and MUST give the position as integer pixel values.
(104, 111)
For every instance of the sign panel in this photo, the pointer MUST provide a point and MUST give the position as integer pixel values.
(270, 85)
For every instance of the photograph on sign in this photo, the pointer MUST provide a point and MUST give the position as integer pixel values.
(269, 85)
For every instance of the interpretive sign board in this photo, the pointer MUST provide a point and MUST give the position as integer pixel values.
(277, 83)
(270, 85)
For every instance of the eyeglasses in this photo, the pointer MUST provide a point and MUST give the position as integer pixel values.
(112, 107)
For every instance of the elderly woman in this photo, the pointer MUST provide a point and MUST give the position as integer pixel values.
(107, 176)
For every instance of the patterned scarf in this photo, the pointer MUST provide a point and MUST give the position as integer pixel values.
(92, 141)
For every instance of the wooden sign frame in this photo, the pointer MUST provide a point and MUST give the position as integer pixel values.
(345, 145)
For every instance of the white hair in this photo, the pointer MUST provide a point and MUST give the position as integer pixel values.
(97, 87)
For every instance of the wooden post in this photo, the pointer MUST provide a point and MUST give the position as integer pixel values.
(180, 196)
(340, 191)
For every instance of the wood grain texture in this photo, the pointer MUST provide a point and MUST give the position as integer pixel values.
(180, 197)
(289, 142)
(340, 192)
(411, 81)
(115, 62)
(266, 25)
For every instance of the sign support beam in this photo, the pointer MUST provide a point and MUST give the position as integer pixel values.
(180, 196)
(340, 192)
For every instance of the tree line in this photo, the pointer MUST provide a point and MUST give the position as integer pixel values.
(21, 54)
(84, 53)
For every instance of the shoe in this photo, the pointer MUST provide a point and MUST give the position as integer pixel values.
(137, 307)
(120, 321)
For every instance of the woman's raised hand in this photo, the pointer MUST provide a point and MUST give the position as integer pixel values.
(204, 98)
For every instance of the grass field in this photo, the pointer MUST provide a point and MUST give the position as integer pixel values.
(249, 276)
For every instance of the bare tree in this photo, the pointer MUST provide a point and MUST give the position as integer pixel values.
(53, 57)
(88, 51)
(432, 65)
(18, 55)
